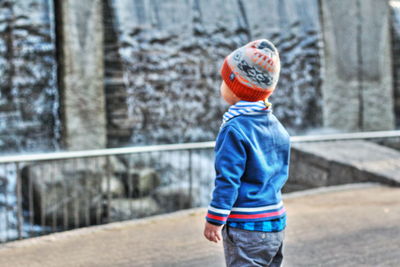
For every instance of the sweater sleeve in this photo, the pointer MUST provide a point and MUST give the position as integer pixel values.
(230, 162)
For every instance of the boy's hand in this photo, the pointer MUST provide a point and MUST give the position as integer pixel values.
(213, 232)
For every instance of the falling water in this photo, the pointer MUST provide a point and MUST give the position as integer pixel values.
(169, 54)
(28, 93)
(28, 90)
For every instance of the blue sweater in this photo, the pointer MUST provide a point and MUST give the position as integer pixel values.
(251, 160)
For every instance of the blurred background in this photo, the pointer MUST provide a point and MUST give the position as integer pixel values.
(95, 75)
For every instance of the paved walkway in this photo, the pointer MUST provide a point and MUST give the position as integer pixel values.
(346, 226)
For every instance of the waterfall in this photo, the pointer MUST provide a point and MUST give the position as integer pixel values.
(28, 84)
(169, 53)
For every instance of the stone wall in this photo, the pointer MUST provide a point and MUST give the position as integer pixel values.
(357, 81)
(317, 164)
(81, 74)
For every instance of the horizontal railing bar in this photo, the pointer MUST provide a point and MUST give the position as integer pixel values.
(104, 152)
(185, 146)
(345, 136)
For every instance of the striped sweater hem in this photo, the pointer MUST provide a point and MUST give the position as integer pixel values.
(241, 214)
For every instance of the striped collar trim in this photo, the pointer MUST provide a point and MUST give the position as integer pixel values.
(245, 107)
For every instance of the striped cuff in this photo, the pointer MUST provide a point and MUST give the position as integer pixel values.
(217, 215)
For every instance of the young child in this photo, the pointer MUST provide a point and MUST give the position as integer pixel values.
(251, 161)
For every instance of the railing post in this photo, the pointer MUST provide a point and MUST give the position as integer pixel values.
(190, 178)
(108, 208)
(19, 201)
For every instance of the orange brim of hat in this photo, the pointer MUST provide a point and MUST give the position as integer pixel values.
(241, 90)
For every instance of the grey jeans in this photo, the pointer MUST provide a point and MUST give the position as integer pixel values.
(244, 248)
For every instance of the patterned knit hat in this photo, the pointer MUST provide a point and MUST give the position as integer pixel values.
(252, 71)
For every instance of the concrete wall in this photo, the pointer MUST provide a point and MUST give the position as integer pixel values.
(395, 22)
(81, 74)
(357, 79)
(317, 164)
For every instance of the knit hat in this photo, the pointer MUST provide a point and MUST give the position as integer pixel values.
(252, 71)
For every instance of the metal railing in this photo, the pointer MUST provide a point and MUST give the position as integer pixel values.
(50, 192)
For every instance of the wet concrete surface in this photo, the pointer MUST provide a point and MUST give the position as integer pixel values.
(343, 226)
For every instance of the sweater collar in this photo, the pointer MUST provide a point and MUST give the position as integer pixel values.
(245, 107)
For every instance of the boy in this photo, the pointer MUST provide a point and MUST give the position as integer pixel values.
(251, 161)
